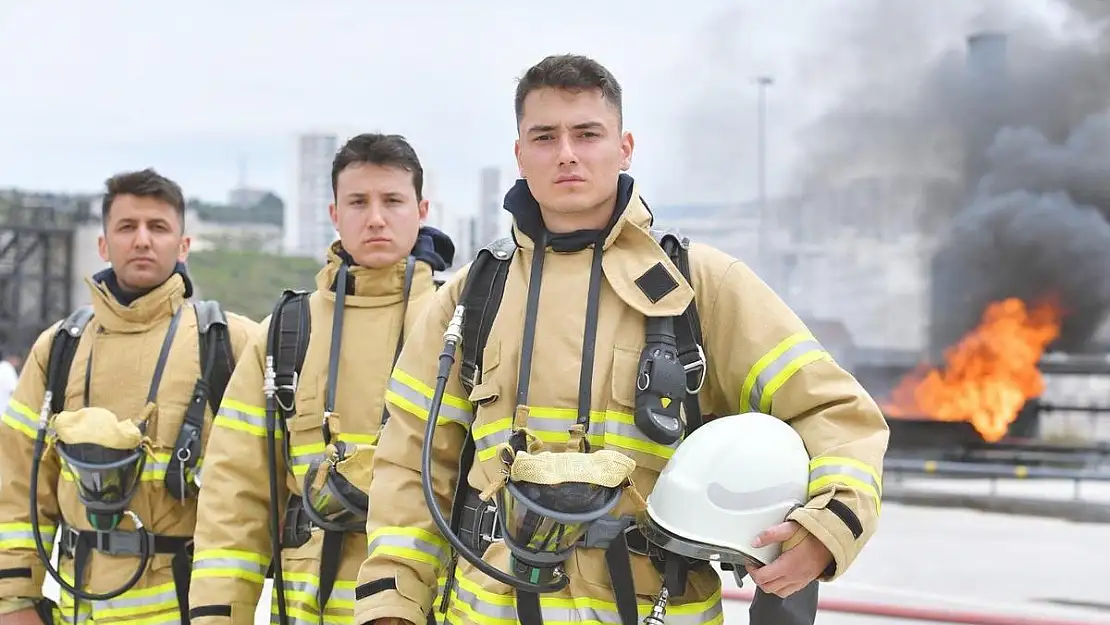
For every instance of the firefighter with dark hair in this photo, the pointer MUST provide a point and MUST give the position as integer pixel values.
(556, 375)
(289, 459)
(103, 440)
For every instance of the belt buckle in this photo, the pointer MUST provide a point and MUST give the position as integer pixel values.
(494, 534)
(69, 539)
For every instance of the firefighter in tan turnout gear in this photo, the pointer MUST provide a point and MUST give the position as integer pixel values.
(563, 409)
(112, 412)
(332, 352)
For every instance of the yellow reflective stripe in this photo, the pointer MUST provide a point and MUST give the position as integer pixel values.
(154, 468)
(233, 563)
(850, 473)
(470, 603)
(771, 371)
(609, 429)
(21, 536)
(21, 418)
(236, 415)
(302, 588)
(302, 456)
(412, 395)
(409, 543)
(145, 606)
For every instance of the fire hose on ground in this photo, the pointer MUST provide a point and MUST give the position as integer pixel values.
(920, 613)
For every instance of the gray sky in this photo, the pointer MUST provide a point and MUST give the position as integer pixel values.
(91, 88)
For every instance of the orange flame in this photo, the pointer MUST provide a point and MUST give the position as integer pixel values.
(989, 375)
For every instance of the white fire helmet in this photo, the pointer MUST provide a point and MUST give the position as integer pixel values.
(732, 478)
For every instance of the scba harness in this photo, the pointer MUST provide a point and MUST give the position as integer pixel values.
(670, 375)
(108, 478)
(338, 507)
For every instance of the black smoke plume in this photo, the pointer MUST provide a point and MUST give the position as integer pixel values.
(1022, 149)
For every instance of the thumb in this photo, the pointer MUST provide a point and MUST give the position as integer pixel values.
(776, 534)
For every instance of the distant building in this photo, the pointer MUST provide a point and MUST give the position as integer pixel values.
(489, 206)
(308, 229)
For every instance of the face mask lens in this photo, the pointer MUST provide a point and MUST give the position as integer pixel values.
(550, 519)
(106, 478)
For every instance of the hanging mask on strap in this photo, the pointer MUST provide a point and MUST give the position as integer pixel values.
(106, 457)
(550, 499)
(333, 497)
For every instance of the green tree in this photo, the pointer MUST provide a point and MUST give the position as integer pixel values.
(248, 282)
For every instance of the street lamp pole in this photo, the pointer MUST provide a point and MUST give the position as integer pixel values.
(762, 82)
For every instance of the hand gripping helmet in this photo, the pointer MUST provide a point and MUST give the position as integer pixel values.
(728, 481)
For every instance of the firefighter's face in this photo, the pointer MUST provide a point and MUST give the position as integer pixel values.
(143, 240)
(571, 149)
(376, 213)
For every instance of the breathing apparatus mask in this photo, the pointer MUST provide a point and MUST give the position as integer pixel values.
(331, 498)
(546, 500)
(106, 457)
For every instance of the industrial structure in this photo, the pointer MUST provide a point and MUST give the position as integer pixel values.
(38, 255)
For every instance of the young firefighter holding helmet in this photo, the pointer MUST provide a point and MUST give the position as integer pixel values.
(104, 437)
(289, 456)
(582, 369)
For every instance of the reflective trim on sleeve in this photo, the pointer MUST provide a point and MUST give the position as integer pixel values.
(236, 415)
(21, 418)
(771, 371)
(470, 603)
(849, 473)
(412, 395)
(21, 536)
(302, 456)
(231, 563)
(408, 543)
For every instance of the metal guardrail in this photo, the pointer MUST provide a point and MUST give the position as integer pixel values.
(990, 470)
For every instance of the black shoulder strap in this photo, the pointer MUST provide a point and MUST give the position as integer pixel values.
(63, 346)
(216, 364)
(481, 297)
(688, 337)
(292, 321)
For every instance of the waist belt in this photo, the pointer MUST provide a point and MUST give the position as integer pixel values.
(79, 544)
(120, 542)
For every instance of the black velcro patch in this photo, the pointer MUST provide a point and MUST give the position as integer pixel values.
(656, 283)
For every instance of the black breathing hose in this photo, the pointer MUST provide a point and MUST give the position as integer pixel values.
(275, 510)
(452, 336)
(144, 537)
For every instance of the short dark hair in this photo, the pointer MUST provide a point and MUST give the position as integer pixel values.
(378, 149)
(145, 183)
(572, 72)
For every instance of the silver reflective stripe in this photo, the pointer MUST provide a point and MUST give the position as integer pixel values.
(581, 613)
(391, 543)
(766, 373)
(164, 600)
(831, 472)
(424, 403)
(13, 412)
(242, 417)
(235, 564)
(21, 536)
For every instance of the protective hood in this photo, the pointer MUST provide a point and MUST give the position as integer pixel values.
(107, 277)
(522, 205)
